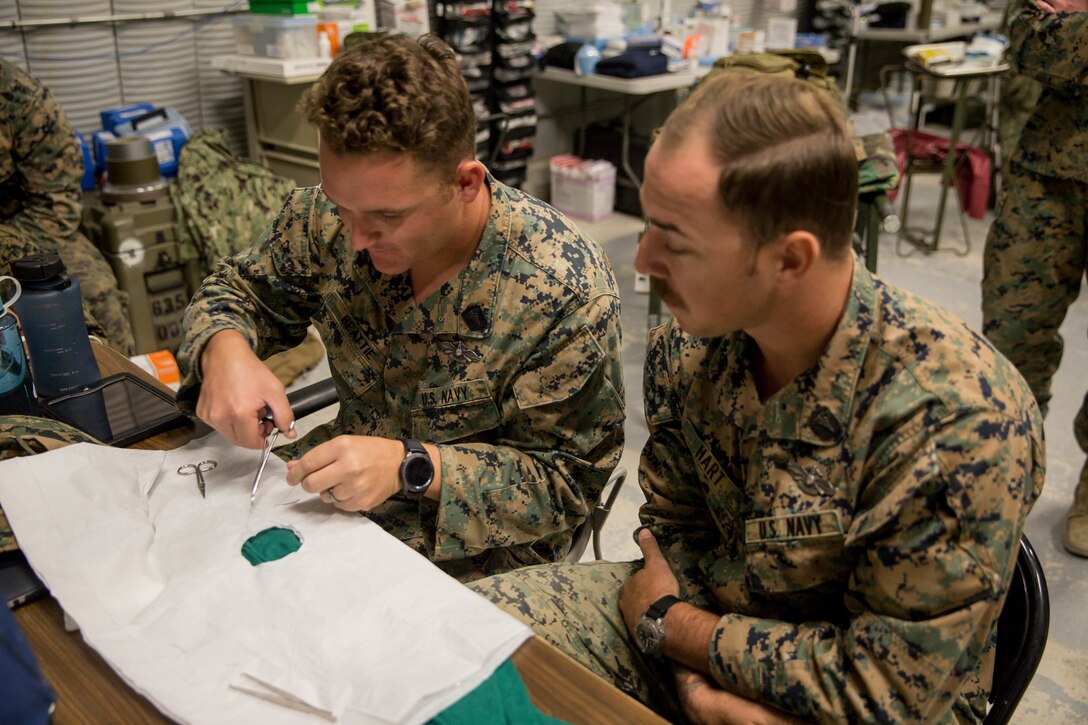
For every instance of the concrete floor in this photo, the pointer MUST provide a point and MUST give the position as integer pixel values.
(1059, 693)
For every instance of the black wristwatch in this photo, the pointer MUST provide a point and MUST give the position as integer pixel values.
(650, 630)
(416, 470)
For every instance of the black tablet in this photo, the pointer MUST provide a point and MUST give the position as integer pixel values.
(118, 410)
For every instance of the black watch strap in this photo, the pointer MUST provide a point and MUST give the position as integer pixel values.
(412, 446)
(657, 609)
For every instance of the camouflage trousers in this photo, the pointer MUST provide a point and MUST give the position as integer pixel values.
(105, 306)
(575, 607)
(1033, 265)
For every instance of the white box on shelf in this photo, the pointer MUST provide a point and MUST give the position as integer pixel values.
(583, 188)
(405, 16)
(781, 33)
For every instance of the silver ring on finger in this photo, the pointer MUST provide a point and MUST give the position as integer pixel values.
(331, 496)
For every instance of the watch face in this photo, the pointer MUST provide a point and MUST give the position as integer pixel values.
(649, 634)
(418, 472)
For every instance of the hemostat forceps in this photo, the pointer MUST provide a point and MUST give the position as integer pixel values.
(269, 442)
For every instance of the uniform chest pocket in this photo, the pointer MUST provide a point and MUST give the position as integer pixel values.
(352, 355)
(794, 552)
(453, 412)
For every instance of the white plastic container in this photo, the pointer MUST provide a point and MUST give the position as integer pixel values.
(276, 36)
(585, 189)
(405, 16)
(358, 17)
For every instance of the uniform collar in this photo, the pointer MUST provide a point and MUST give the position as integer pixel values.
(465, 305)
(815, 407)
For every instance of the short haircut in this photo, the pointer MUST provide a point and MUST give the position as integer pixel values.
(396, 94)
(788, 162)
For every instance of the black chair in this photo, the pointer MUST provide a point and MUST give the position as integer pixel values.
(322, 394)
(1021, 635)
(591, 527)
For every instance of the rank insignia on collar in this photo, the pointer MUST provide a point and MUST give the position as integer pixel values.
(810, 479)
(824, 424)
(459, 352)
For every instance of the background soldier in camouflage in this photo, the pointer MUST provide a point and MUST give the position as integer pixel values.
(455, 310)
(1019, 94)
(837, 473)
(1035, 255)
(41, 201)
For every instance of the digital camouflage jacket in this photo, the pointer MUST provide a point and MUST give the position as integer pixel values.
(856, 532)
(512, 368)
(1052, 48)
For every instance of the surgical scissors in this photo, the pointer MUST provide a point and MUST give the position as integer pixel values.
(198, 468)
(269, 442)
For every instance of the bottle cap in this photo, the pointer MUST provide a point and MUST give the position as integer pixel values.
(37, 268)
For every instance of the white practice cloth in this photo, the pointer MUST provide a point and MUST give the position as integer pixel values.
(354, 622)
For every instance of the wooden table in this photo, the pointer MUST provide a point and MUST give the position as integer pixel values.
(88, 690)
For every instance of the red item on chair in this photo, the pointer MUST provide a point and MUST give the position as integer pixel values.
(972, 178)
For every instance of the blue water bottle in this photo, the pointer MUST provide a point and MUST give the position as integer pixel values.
(16, 388)
(585, 60)
(51, 313)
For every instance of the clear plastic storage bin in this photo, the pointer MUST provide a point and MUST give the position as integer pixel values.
(276, 36)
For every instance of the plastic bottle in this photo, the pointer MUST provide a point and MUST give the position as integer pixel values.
(51, 313)
(585, 60)
(16, 387)
(324, 45)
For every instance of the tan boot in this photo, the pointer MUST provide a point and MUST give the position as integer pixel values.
(1076, 527)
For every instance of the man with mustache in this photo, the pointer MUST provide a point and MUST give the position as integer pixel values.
(837, 473)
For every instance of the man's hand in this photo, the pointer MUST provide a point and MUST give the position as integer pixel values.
(706, 704)
(1063, 6)
(361, 472)
(652, 582)
(689, 629)
(236, 388)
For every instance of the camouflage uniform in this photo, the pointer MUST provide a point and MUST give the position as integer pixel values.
(1019, 94)
(857, 532)
(40, 201)
(223, 202)
(1035, 253)
(512, 368)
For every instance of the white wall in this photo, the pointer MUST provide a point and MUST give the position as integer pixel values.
(94, 66)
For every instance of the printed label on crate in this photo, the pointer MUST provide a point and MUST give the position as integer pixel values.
(167, 310)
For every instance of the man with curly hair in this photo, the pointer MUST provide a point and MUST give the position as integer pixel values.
(472, 331)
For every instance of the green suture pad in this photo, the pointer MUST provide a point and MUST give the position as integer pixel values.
(270, 544)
